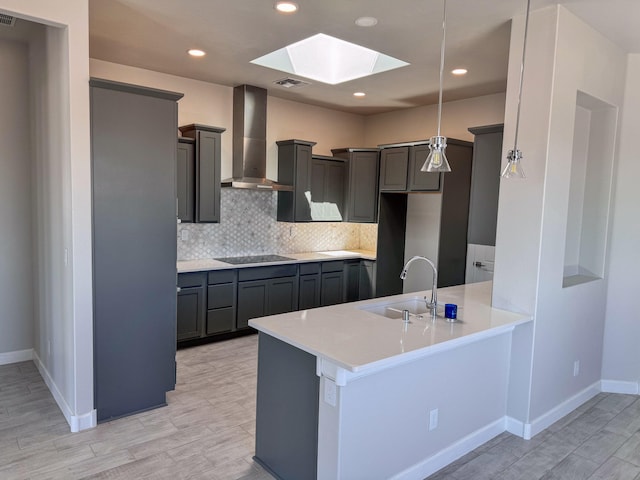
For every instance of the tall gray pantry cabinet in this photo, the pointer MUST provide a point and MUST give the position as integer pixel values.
(133, 142)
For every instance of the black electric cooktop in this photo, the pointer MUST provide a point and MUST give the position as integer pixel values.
(253, 259)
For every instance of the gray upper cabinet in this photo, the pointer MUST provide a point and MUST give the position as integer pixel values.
(294, 168)
(207, 170)
(418, 180)
(485, 184)
(186, 179)
(133, 154)
(400, 169)
(361, 183)
(394, 162)
(327, 189)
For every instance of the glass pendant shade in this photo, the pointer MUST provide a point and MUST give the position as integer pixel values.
(513, 169)
(437, 160)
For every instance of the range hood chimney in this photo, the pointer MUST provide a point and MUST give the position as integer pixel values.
(250, 141)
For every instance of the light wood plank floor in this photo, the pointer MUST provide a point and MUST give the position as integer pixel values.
(207, 432)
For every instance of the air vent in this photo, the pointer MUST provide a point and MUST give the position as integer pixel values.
(7, 20)
(291, 83)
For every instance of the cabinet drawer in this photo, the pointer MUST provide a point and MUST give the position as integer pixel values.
(222, 276)
(332, 266)
(262, 273)
(219, 296)
(220, 320)
(186, 280)
(309, 268)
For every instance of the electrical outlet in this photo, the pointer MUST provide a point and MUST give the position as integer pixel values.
(184, 234)
(576, 368)
(433, 419)
(330, 392)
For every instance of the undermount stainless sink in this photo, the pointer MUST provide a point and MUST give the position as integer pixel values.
(417, 308)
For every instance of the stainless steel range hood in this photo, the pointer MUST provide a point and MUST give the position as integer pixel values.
(250, 141)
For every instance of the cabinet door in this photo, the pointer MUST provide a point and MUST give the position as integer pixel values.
(283, 295)
(352, 277)
(454, 217)
(190, 313)
(362, 188)
(309, 288)
(301, 183)
(332, 288)
(334, 190)
(418, 180)
(208, 186)
(394, 163)
(366, 285)
(220, 320)
(252, 301)
(186, 181)
(327, 190)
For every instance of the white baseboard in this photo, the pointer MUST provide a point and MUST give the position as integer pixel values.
(17, 356)
(618, 386)
(516, 427)
(453, 452)
(543, 421)
(76, 422)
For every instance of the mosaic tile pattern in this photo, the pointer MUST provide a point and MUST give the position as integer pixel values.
(248, 226)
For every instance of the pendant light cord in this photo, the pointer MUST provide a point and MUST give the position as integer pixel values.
(444, 34)
(524, 49)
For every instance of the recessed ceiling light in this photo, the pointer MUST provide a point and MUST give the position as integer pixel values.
(366, 21)
(459, 71)
(328, 59)
(286, 7)
(359, 94)
(194, 52)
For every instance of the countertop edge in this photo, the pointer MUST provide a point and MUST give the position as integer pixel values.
(207, 264)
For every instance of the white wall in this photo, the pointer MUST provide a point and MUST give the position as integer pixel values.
(16, 266)
(212, 104)
(421, 123)
(621, 364)
(61, 155)
(564, 56)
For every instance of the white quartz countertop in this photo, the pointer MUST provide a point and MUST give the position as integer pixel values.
(203, 264)
(350, 338)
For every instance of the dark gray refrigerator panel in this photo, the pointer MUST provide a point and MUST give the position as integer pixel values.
(133, 139)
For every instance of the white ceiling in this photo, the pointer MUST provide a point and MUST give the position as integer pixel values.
(155, 34)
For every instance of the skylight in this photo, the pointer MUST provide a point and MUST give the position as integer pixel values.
(328, 59)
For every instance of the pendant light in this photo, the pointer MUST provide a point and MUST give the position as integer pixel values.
(437, 160)
(513, 169)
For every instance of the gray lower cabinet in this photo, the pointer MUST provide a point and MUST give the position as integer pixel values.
(332, 283)
(352, 280)
(400, 169)
(191, 305)
(367, 280)
(309, 286)
(361, 183)
(133, 165)
(221, 302)
(266, 291)
(207, 152)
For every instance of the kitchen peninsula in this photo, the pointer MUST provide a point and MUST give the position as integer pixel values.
(345, 392)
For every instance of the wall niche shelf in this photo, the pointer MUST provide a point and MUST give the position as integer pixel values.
(589, 190)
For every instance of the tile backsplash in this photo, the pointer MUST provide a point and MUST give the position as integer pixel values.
(248, 226)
